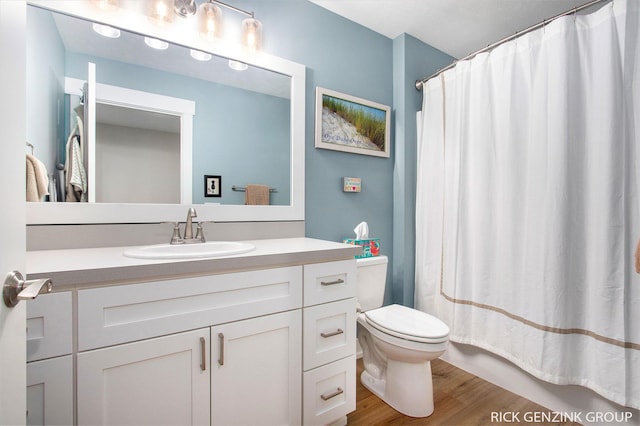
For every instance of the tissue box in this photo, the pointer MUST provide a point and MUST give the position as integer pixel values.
(370, 246)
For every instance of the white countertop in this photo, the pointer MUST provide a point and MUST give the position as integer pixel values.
(89, 267)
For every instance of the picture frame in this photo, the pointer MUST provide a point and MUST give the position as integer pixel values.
(350, 124)
(212, 186)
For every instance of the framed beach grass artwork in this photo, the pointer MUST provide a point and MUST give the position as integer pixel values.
(349, 124)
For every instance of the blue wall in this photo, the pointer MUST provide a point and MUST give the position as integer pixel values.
(412, 60)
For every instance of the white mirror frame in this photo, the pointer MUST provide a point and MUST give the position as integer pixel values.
(39, 213)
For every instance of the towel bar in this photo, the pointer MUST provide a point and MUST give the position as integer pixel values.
(244, 188)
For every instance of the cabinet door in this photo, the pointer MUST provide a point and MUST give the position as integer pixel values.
(256, 371)
(162, 381)
(50, 391)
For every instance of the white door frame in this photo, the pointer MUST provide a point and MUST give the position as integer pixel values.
(13, 363)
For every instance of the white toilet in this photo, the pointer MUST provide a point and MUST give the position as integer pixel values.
(398, 344)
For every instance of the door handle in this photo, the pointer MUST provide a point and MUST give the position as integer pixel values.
(16, 288)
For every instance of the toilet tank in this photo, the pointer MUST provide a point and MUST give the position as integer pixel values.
(372, 277)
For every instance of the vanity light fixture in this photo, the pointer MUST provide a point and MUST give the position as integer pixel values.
(237, 65)
(155, 43)
(106, 31)
(210, 24)
(199, 55)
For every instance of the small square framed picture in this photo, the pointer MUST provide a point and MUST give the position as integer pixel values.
(212, 186)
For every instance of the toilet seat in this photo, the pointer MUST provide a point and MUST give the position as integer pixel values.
(409, 324)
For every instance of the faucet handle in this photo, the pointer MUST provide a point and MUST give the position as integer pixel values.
(200, 231)
(175, 237)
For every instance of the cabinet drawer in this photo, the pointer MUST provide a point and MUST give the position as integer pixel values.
(329, 392)
(49, 326)
(327, 282)
(329, 332)
(112, 315)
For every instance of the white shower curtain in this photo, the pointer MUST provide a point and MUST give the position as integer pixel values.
(528, 207)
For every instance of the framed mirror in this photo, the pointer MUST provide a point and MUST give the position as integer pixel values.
(245, 126)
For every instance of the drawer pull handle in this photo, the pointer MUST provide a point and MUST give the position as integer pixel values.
(337, 392)
(203, 353)
(333, 333)
(221, 351)
(338, 281)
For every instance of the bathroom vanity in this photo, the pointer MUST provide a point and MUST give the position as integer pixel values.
(264, 337)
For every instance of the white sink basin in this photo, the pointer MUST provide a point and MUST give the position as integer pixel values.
(190, 251)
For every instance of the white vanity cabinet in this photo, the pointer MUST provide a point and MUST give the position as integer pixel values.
(329, 378)
(49, 360)
(262, 339)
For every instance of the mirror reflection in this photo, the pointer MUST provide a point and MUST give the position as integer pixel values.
(145, 151)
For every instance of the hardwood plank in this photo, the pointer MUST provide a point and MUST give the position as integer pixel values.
(460, 398)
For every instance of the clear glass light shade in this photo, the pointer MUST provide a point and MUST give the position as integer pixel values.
(209, 21)
(106, 4)
(160, 11)
(252, 34)
(106, 31)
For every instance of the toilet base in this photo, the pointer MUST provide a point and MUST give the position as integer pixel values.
(409, 388)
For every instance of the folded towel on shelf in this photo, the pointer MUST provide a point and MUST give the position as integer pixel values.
(37, 179)
(257, 195)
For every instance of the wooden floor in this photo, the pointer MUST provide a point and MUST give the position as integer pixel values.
(460, 399)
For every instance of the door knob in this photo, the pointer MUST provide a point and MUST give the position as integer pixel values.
(16, 288)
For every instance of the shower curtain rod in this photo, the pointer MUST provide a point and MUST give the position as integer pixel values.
(576, 9)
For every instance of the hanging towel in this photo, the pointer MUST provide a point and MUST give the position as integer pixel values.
(76, 177)
(638, 257)
(37, 180)
(257, 195)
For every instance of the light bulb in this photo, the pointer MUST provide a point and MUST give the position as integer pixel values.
(252, 34)
(210, 21)
(159, 11)
(107, 5)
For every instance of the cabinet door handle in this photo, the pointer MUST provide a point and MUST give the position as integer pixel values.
(221, 349)
(333, 333)
(338, 281)
(203, 353)
(326, 397)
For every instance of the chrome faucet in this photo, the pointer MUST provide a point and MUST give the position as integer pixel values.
(188, 227)
(188, 238)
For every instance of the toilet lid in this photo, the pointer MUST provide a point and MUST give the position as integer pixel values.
(407, 323)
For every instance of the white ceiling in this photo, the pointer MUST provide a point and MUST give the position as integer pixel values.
(456, 27)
